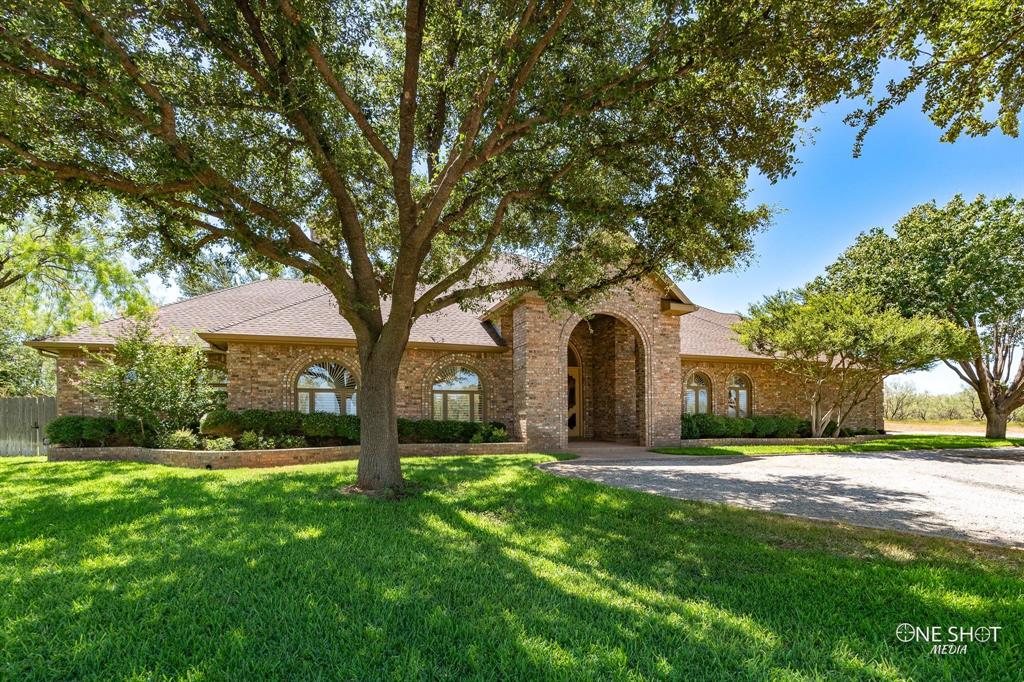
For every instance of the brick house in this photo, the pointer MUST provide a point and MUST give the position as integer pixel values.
(625, 372)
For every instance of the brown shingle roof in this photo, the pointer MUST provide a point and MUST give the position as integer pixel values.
(709, 332)
(293, 309)
(279, 308)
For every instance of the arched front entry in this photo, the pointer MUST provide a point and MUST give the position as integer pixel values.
(606, 373)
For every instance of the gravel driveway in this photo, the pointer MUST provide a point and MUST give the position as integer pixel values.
(958, 494)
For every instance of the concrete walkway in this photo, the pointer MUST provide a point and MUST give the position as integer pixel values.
(964, 494)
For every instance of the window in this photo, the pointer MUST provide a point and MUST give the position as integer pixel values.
(739, 396)
(326, 387)
(698, 394)
(456, 395)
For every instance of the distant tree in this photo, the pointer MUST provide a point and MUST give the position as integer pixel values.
(161, 385)
(395, 151)
(962, 262)
(23, 371)
(899, 396)
(968, 55)
(841, 346)
(54, 276)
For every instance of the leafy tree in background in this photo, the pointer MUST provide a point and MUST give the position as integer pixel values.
(64, 272)
(968, 55)
(397, 152)
(23, 371)
(962, 262)
(841, 346)
(54, 277)
(160, 385)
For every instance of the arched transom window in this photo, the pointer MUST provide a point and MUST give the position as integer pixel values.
(326, 387)
(698, 394)
(456, 395)
(739, 396)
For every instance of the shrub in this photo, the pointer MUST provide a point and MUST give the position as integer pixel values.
(323, 425)
(180, 439)
(250, 440)
(289, 441)
(776, 427)
(318, 425)
(97, 430)
(219, 443)
(220, 423)
(690, 428)
(131, 432)
(146, 378)
(65, 430)
(271, 423)
(490, 433)
(346, 427)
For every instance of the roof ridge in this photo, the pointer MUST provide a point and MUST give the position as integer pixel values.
(717, 324)
(121, 318)
(264, 313)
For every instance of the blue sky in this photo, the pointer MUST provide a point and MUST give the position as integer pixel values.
(833, 197)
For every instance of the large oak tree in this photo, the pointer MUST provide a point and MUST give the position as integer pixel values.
(395, 151)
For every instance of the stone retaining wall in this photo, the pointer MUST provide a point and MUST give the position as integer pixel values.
(711, 442)
(236, 459)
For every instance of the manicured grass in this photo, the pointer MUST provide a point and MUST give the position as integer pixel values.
(495, 570)
(907, 442)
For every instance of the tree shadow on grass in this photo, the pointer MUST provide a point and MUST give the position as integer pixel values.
(496, 570)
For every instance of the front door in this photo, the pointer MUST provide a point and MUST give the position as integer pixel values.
(574, 421)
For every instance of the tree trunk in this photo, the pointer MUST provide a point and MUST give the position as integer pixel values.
(995, 424)
(379, 465)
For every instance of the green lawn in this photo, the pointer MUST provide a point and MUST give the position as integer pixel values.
(919, 442)
(496, 570)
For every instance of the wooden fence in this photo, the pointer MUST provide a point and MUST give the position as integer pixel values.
(22, 424)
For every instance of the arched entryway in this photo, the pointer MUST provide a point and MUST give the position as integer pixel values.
(606, 378)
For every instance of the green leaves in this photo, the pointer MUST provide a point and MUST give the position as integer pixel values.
(160, 385)
(967, 55)
(842, 344)
(962, 262)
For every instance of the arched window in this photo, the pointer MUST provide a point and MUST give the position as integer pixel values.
(456, 395)
(326, 387)
(739, 396)
(698, 394)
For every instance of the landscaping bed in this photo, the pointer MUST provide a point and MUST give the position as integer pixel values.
(774, 427)
(236, 459)
(226, 430)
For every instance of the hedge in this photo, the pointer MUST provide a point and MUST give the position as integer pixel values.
(717, 426)
(323, 427)
(77, 431)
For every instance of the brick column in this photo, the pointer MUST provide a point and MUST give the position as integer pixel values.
(538, 376)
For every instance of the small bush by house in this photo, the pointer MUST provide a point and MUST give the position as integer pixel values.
(77, 431)
(717, 426)
(322, 428)
(180, 439)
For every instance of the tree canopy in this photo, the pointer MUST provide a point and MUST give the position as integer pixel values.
(841, 345)
(967, 55)
(962, 262)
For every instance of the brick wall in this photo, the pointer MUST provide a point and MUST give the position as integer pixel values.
(71, 399)
(774, 392)
(262, 376)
